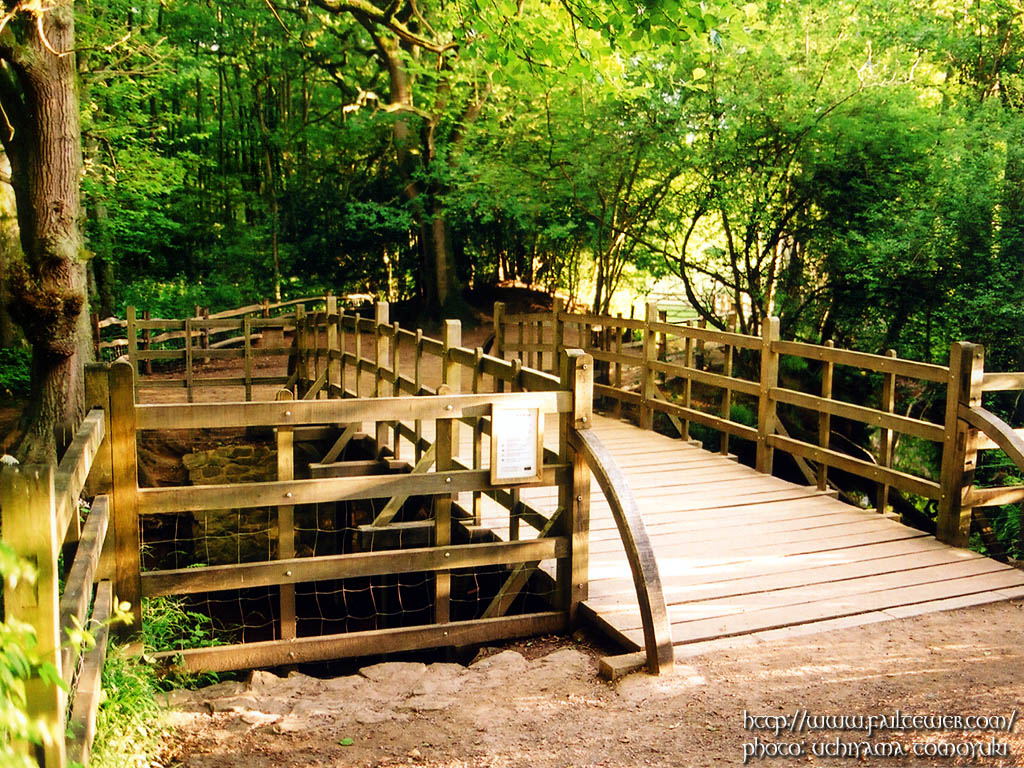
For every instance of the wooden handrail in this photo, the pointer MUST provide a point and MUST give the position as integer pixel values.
(639, 553)
(997, 430)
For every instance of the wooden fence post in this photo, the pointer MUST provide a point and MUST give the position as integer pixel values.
(447, 442)
(825, 419)
(286, 520)
(577, 374)
(499, 329)
(147, 334)
(381, 318)
(557, 333)
(189, 389)
(648, 384)
(333, 348)
(451, 371)
(247, 351)
(766, 416)
(885, 442)
(959, 450)
(127, 561)
(30, 529)
(101, 479)
(131, 332)
(301, 364)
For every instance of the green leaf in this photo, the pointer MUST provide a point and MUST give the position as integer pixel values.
(348, 741)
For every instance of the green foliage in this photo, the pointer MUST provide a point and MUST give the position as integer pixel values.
(129, 723)
(179, 297)
(169, 625)
(20, 661)
(15, 371)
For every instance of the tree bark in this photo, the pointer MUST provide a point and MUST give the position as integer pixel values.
(49, 294)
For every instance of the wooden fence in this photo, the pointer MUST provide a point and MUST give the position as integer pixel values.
(711, 372)
(251, 333)
(42, 521)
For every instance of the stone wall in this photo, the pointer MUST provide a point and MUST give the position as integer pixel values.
(225, 536)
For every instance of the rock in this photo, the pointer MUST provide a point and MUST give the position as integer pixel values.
(568, 659)
(441, 679)
(194, 460)
(396, 674)
(506, 661)
(427, 703)
(183, 700)
(233, 704)
(220, 690)
(259, 718)
(261, 680)
(370, 717)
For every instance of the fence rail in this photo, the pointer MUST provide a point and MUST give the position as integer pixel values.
(40, 521)
(710, 377)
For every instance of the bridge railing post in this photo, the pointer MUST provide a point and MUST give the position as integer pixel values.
(766, 415)
(499, 339)
(557, 333)
(577, 374)
(960, 447)
(648, 383)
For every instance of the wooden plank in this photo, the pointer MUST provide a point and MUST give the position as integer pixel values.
(766, 404)
(690, 373)
(295, 570)
(709, 335)
(30, 529)
(247, 350)
(326, 647)
(893, 477)
(959, 452)
(154, 501)
(127, 585)
(1003, 382)
(992, 497)
(89, 691)
(692, 631)
(74, 468)
(774, 539)
(286, 521)
(751, 580)
(884, 419)
(215, 415)
(707, 419)
(842, 591)
(639, 553)
(74, 603)
(394, 505)
(877, 363)
(997, 430)
(339, 445)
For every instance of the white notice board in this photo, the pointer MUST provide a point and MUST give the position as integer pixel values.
(517, 445)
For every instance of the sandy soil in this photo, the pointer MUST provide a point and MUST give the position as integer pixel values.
(513, 708)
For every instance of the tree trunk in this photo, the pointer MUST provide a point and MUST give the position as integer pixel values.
(49, 294)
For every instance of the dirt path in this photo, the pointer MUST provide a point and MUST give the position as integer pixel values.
(552, 711)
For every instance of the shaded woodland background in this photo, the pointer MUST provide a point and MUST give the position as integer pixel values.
(855, 169)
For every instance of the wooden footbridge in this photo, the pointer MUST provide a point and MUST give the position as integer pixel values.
(476, 481)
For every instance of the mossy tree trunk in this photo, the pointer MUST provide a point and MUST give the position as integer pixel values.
(48, 292)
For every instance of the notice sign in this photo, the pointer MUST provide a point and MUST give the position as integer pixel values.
(517, 447)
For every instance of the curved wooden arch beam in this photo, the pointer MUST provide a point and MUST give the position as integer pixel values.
(1001, 433)
(633, 532)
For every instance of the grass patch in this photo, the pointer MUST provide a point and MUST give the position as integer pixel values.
(130, 726)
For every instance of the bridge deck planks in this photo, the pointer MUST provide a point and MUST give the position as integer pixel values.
(746, 557)
(786, 560)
